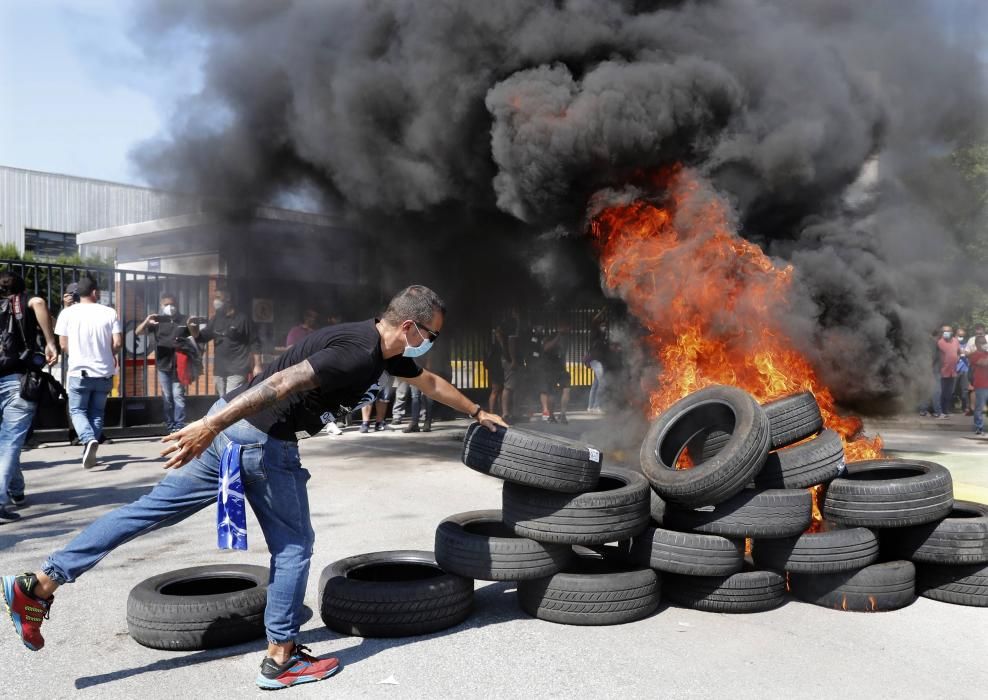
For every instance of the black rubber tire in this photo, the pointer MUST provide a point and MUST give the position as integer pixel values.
(617, 512)
(164, 611)
(406, 600)
(722, 476)
(827, 552)
(592, 590)
(532, 459)
(755, 513)
(657, 507)
(961, 585)
(743, 592)
(688, 553)
(479, 545)
(960, 538)
(889, 493)
(793, 418)
(816, 461)
(876, 588)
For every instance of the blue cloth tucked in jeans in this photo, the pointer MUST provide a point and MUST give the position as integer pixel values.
(275, 485)
(87, 403)
(15, 420)
(173, 394)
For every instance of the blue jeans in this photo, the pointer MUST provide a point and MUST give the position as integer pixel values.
(173, 394)
(597, 386)
(980, 397)
(16, 415)
(87, 402)
(418, 398)
(275, 486)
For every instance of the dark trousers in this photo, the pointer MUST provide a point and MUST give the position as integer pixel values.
(947, 394)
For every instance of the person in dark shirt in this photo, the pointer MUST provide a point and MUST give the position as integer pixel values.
(332, 370)
(236, 349)
(168, 327)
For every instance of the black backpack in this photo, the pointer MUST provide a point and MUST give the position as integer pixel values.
(15, 329)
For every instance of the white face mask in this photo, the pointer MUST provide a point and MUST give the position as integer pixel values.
(218, 304)
(169, 310)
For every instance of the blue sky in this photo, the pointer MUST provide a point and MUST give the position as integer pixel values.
(76, 92)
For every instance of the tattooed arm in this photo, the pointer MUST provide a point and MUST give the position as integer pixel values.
(192, 441)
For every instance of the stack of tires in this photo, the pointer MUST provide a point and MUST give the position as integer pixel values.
(841, 567)
(950, 554)
(559, 505)
(752, 467)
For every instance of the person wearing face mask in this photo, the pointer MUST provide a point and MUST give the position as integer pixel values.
(950, 353)
(168, 327)
(331, 370)
(979, 367)
(237, 350)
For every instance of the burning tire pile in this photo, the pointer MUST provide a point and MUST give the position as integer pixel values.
(590, 544)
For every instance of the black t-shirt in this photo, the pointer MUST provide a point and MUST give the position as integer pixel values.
(234, 341)
(166, 335)
(347, 360)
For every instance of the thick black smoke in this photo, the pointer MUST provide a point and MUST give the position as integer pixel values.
(480, 125)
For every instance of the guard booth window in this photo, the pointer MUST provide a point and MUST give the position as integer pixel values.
(49, 244)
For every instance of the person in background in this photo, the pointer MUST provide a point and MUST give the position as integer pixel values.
(513, 364)
(310, 322)
(168, 327)
(380, 405)
(237, 350)
(979, 367)
(969, 349)
(950, 353)
(554, 376)
(71, 295)
(963, 367)
(596, 355)
(401, 402)
(89, 333)
(493, 363)
(933, 403)
(16, 414)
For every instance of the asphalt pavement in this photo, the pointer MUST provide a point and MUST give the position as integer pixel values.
(389, 491)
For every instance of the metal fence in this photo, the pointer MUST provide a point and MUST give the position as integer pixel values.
(467, 349)
(136, 294)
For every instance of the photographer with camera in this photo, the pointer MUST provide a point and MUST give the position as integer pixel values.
(21, 320)
(89, 333)
(169, 329)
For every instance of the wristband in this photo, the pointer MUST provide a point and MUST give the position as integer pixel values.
(476, 412)
(210, 428)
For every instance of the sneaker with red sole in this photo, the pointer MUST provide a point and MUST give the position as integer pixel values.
(26, 611)
(300, 668)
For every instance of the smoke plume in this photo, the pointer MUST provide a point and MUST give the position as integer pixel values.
(480, 126)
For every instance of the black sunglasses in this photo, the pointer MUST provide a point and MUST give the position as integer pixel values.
(432, 334)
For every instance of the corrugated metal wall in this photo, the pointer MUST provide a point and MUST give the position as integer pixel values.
(49, 202)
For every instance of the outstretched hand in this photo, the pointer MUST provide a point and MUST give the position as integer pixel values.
(187, 444)
(491, 421)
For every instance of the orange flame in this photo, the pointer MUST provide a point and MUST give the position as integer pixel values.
(710, 302)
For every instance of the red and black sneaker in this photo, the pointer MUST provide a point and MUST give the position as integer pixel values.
(26, 611)
(300, 668)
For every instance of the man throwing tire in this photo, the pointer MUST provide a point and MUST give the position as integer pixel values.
(332, 369)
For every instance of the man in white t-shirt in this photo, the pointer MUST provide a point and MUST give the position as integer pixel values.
(89, 334)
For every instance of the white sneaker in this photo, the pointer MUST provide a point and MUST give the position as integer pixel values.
(333, 429)
(89, 454)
